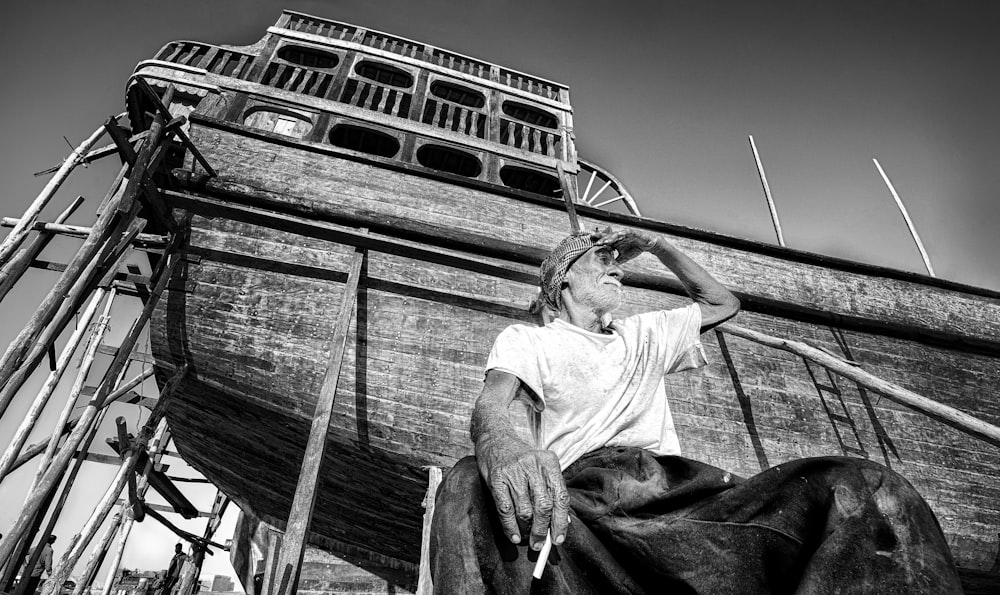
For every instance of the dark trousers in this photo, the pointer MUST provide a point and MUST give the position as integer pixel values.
(645, 524)
(32, 583)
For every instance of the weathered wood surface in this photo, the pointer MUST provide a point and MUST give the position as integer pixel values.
(257, 339)
(311, 182)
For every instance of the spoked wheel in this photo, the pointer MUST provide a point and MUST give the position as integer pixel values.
(597, 188)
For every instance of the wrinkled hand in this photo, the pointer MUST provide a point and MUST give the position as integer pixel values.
(628, 242)
(528, 486)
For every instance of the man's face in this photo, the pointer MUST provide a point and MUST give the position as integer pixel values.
(595, 280)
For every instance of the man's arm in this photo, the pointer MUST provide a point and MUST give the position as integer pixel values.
(526, 483)
(717, 303)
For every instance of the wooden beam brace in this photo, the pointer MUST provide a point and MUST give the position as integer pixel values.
(79, 231)
(286, 580)
(162, 109)
(14, 269)
(164, 508)
(949, 415)
(327, 231)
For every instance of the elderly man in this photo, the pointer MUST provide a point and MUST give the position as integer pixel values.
(603, 476)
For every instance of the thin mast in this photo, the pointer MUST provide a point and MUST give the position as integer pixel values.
(767, 193)
(906, 217)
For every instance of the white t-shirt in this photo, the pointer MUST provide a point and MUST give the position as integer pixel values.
(602, 389)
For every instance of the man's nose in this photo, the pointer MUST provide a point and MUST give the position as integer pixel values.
(616, 271)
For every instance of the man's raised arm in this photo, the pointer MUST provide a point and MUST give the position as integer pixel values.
(526, 483)
(717, 303)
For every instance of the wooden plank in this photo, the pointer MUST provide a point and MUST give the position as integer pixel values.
(297, 528)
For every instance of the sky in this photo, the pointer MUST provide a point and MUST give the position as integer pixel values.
(664, 93)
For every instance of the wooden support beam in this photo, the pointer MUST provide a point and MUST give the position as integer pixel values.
(54, 472)
(949, 415)
(286, 580)
(146, 240)
(14, 269)
(163, 507)
(97, 254)
(160, 106)
(42, 398)
(20, 232)
(425, 585)
(328, 231)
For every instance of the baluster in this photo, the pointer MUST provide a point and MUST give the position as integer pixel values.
(320, 86)
(370, 100)
(383, 100)
(275, 77)
(395, 105)
(451, 62)
(356, 96)
(438, 107)
(536, 139)
(550, 144)
(511, 139)
(450, 122)
(525, 134)
(508, 79)
(462, 117)
(307, 76)
(172, 55)
(238, 71)
(289, 84)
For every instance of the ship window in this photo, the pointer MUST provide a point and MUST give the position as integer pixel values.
(530, 180)
(449, 160)
(529, 114)
(384, 74)
(458, 94)
(284, 123)
(365, 140)
(308, 57)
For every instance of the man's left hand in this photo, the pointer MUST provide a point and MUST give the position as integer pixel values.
(628, 242)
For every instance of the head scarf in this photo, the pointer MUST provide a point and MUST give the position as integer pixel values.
(553, 270)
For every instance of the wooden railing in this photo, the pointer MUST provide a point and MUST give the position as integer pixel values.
(455, 117)
(529, 84)
(189, 53)
(370, 95)
(396, 45)
(529, 138)
(297, 79)
(331, 29)
(459, 63)
(214, 59)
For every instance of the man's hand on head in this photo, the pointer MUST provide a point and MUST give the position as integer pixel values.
(629, 243)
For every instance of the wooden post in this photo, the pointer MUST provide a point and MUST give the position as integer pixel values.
(286, 579)
(568, 198)
(97, 556)
(76, 278)
(19, 233)
(425, 586)
(164, 269)
(944, 413)
(156, 450)
(57, 309)
(64, 494)
(116, 560)
(28, 423)
(80, 541)
(12, 271)
(767, 193)
(906, 218)
(86, 364)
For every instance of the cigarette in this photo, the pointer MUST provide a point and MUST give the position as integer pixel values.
(543, 556)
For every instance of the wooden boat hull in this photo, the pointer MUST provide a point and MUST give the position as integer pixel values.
(252, 312)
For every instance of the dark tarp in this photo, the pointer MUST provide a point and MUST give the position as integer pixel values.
(645, 524)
